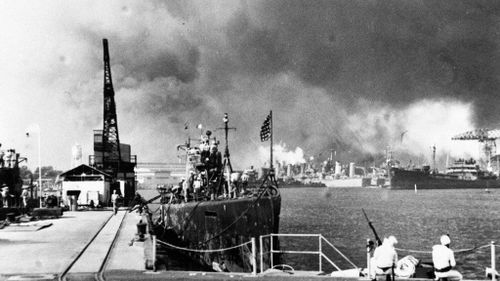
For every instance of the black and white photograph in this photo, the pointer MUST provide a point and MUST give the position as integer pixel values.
(249, 140)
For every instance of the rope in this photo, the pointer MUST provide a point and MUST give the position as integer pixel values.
(202, 251)
(455, 251)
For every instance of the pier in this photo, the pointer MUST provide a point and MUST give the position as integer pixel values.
(77, 246)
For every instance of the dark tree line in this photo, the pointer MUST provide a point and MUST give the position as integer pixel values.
(48, 172)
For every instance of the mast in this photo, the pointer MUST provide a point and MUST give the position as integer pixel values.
(271, 168)
(227, 160)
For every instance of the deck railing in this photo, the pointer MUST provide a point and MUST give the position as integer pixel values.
(322, 242)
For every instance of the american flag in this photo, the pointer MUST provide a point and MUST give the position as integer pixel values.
(265, 130)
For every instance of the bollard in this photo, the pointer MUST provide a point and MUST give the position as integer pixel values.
(254, 257)
(493, 270)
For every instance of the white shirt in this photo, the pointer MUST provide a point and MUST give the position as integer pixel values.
(442, 257)
(385, 256)
(197, 184)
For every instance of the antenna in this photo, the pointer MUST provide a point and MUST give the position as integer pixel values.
(227, 160)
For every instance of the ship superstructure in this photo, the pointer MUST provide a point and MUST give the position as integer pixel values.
(214, 208)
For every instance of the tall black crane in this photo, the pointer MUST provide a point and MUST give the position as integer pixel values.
(110, 139)
(110, 155)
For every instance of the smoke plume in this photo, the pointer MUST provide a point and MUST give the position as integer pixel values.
(351, 76)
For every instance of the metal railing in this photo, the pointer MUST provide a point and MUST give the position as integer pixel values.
(319, 252)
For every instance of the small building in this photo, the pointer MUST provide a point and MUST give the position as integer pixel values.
(86, 183)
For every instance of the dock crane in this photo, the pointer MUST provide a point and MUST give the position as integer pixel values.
(110, 155)
(484, 136)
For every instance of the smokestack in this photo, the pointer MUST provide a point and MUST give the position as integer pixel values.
(351, 170)
(338, 168)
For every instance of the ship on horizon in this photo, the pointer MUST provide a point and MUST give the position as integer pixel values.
(461, 174)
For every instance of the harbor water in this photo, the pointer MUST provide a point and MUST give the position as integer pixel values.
(469, 216)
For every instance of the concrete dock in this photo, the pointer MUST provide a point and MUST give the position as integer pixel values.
(43, 250)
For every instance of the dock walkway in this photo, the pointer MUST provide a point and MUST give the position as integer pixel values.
(78, 244)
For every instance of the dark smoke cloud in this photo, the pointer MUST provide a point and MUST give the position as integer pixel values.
(390, 51)
(342, 74)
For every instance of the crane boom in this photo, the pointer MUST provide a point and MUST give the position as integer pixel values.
(480, 135)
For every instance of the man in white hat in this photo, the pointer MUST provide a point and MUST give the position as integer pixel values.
(384, 258)
(5, 196)
(25, 195)
(444, 260)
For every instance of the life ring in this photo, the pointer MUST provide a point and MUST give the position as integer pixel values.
(285, 268)
(406, 266)
(272, 190)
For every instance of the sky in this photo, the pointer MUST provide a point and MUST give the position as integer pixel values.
(353, 76)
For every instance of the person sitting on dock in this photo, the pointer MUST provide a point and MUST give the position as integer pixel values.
(384, 258)
(444, 260)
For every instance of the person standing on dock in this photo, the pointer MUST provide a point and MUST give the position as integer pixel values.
(25, 195)
(384, 258)
(114, 200)
(5, 196)
(444, 260)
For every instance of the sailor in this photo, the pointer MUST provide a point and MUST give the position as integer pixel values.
(25, 195)
(187, 186)
(444, 260)
(244, 182)
(384, 258)
(5, 195)
(205, 148)
(215, 158)
(176, 189)
(197, 186)
(114, 200)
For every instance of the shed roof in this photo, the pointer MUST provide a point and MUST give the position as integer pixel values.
(84, 169)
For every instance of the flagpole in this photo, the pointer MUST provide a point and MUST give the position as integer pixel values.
(271, 125)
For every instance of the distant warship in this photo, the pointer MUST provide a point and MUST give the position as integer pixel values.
(461, 174)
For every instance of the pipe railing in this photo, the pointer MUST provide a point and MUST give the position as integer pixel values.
(319, 252)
